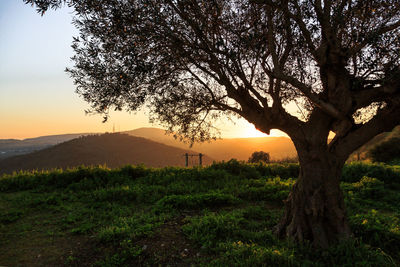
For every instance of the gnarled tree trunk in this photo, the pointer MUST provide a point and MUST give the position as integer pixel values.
(314, 210)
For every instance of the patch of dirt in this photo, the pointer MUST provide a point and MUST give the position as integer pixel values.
(41, 249)
(84, 253)
(168, 247)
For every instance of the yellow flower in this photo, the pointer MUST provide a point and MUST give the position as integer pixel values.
(365, 221)
(277, 252)
(238, 243)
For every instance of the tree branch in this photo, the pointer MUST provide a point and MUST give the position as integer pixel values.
(296, 17)
(306, 33)
(306, 90)
(385, 120)
(377, 90)
(371, 36)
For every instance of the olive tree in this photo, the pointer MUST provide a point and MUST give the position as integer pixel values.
(305, 67)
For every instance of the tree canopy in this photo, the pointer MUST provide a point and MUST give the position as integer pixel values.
(259, 156)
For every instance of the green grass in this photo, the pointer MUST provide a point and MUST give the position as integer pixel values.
(222, 215)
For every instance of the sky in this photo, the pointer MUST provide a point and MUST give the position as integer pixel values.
(37, 97)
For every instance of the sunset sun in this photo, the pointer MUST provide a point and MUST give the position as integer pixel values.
(251, 131)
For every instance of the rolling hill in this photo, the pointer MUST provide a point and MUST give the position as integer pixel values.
(114, 150)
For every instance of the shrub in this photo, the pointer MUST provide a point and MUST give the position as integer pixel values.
(354, 171)
(256, 170)
(81, 178)
(272, 189)
(386, 151)
(259, 156)
(238, 168)
(370, 188)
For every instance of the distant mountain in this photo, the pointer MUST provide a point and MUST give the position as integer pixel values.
(225, 149)
(114, 150)
(13, 147)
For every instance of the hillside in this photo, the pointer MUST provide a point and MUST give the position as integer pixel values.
(114, 150)
(226, 149)
(13, 147)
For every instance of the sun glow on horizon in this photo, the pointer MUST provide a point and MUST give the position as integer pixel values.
(251, 131)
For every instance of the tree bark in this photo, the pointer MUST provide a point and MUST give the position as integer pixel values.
(315, 210)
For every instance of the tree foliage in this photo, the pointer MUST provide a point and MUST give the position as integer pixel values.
(259, 156)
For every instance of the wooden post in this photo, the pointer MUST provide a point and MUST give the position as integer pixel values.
(200, 159)
(186, 159)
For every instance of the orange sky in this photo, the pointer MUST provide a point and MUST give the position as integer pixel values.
(38, 98)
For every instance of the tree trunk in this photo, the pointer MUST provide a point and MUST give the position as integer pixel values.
(315, 208)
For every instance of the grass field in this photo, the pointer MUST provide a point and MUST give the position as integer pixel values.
(222, 215)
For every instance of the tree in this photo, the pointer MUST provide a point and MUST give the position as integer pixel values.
(192, 61)
(259, 156)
